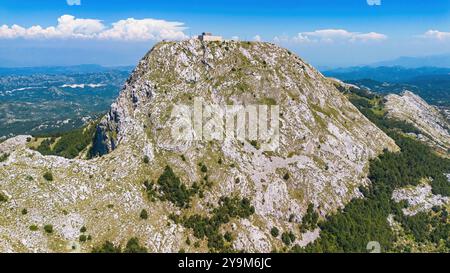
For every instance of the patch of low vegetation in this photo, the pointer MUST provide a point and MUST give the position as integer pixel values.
(255, 144)
(428, 227)
(146, 159)
(169, 187)
(172, 189)
(268, 101)
(107, 247)
(34, 228)
(48, 176)
(209, 226)
(373, 109)
(3, 197)
(4, 157)
(310, 219)
(203, 168)
(82, 238)
(440, 185)
(150, 190)
(132, 246)
(69, 144)
(358, 93)
(288, 238)
(228, 237)
(144, 214)
(48, 229)
(274, 232)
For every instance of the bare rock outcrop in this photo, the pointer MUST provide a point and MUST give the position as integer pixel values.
(412, 109)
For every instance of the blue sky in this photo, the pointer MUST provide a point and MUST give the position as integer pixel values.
(324, 32)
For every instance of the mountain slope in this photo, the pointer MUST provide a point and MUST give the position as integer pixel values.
(325, 146)
(414, 110)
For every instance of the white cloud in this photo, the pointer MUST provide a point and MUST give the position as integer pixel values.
(281, 39)
(300, 38)
(371, 36)
(257, 38)
(332, 35)
(436, 34)
(145, 29)
(69, 27)
(74, 2)
(235, 38)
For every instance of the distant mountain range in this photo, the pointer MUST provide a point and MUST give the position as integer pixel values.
(384, 73)
(61, 70)
(431, 83)
(442, 60)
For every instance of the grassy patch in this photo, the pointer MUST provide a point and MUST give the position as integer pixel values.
(268, 101)
(4, 157)
(209, 226)
(48, 229)
(132, 246)
(70, 144)
(34, 228)
(48, 176)
(169, 187)
(3, 197)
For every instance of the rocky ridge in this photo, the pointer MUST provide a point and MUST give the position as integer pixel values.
(411, 108)
(419, 198)
(325, 146)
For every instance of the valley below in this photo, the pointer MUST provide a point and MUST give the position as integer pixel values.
(55, 101)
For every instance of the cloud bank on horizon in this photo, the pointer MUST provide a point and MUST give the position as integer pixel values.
(69, 27)
(324, 33)
(436, 34)
(332, 35)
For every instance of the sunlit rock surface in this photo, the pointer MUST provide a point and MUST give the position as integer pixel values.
(325, 146)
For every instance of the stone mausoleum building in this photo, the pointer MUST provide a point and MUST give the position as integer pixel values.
(208, 37)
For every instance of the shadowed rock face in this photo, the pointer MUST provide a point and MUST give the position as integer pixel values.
(325, 147)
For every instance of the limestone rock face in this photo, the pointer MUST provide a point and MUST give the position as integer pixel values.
(325, 146)
(427, 118)
(419, 198)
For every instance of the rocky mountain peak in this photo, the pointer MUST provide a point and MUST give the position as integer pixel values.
(322, 158)
(229, 72)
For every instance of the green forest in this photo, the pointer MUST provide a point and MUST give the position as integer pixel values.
(69, 144)
(209, 226)
(365, 220)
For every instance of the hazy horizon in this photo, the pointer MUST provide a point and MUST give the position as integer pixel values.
(388, 62)
(325, 33)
